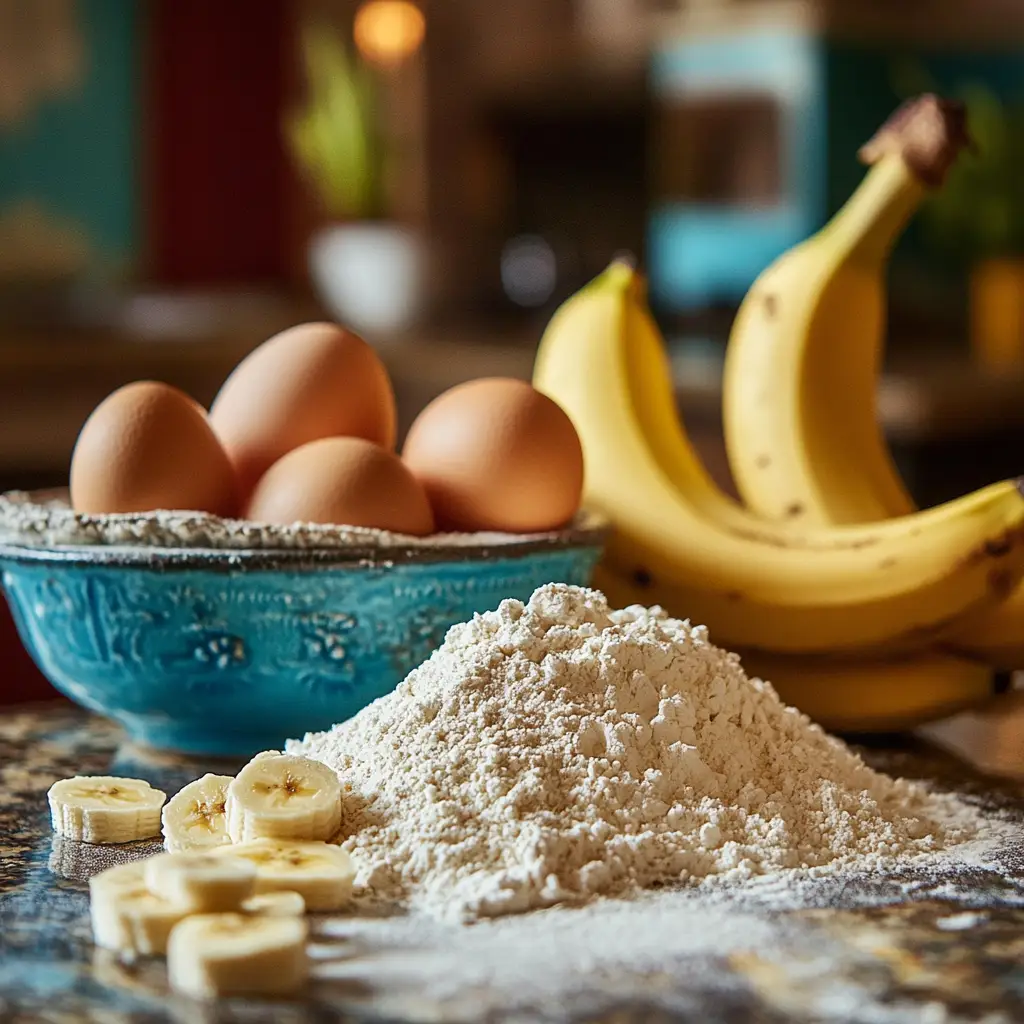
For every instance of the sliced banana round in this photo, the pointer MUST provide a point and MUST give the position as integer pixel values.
(195, 816)
(320, 873)
(212, 955)
(284, 796)
(276, 904)
(199, 881)
(105, 809)
(126, 916)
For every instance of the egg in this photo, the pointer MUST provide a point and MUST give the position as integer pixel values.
(149, 446)
(343, 481)
(312, 381)
(496, 454)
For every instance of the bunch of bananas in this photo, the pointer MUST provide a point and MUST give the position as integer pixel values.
(861, 610)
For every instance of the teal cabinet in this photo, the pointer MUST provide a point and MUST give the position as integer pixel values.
(70, 159)
(756, 139)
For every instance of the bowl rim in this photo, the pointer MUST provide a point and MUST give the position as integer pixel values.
(589, 534)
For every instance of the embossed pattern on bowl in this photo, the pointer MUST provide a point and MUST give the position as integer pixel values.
(230, 652)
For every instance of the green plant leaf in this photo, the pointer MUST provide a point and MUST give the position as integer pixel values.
(334, 138)
(979, 212)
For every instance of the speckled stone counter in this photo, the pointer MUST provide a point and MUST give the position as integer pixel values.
(943, 949)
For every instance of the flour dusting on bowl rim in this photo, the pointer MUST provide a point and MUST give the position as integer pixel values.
(42, 526)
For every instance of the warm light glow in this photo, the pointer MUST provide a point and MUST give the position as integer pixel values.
(388, 31)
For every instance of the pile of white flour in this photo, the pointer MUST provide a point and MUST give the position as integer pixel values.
(554, 751)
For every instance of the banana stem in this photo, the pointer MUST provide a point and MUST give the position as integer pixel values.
(912, 152)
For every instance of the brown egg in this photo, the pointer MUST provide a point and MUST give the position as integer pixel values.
(343, 481)
(496, 454)
(149, 446)
(312, 381)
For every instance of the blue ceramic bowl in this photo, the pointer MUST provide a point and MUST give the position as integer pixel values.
(230, 652)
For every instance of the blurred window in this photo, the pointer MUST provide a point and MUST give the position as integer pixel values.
(719, 149)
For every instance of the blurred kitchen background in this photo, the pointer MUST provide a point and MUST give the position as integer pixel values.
(180, 179)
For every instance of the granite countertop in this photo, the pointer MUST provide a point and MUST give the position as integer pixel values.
(947, 947)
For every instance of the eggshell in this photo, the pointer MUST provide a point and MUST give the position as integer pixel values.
(496, 454)
(344, 481)
(149, 446)
(312, 381)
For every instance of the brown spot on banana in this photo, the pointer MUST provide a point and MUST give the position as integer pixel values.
(642, 577)
(771, 305)
(863, 542)
(887, 563)
(911, 639)
(794, 509)
(763, 461)
(998, 546)
(1001, 583)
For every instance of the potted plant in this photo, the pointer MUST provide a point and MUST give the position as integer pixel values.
(367, 268)
(979, 215)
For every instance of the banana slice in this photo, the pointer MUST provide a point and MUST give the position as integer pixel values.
(126, 916)
(199, 881)
(276, 904)
(212, 955)
(105, 809)
(320, 873)
(283, 796)
(195, 816)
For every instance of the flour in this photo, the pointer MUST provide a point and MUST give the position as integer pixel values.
(762, 950)
(46, 520)
(556, 751)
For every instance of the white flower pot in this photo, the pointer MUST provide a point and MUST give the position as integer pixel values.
(370, 276)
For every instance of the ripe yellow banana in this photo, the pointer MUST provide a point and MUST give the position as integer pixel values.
(803, 358)
(680, 542)
(802, 361)
(875, 696)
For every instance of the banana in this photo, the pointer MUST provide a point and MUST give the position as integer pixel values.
(803, 358)
(283, 796)
(105, 809)
(801, 366)
(126, 916)
(679, 541)
(875, 696)
(276, 904)
(199, 881)
(212, 955)
(995, 634)
(320, 873)
(195, 816)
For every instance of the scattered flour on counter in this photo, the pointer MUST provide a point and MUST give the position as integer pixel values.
(663, 951)
(556, 751)
(960, 922)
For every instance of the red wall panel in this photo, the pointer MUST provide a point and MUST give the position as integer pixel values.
(20, 680)
(218, 175)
